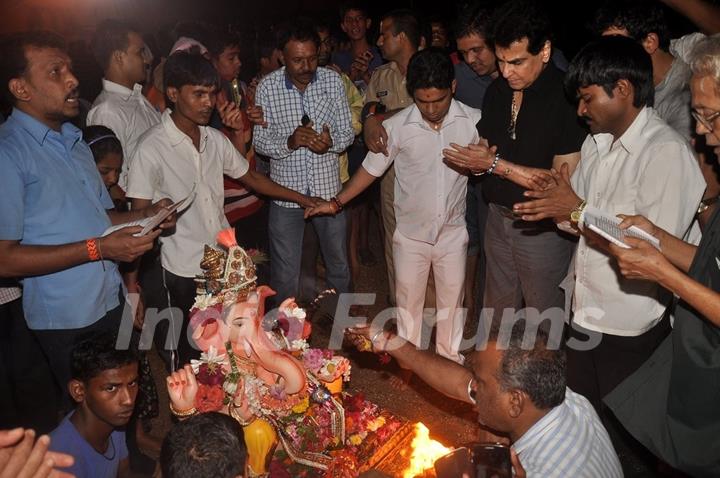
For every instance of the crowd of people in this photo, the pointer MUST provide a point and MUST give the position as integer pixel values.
(490, 148)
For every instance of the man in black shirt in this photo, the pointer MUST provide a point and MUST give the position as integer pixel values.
(527, 124)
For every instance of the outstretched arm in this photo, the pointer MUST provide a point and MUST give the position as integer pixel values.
(444, 375)
(480, 158)
(644, 262)
(701, 12)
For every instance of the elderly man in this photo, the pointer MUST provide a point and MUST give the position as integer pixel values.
(670, 402)
(520, 393)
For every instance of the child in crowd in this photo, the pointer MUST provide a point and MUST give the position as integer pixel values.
(104, 385)
(209, 445)
(108, 154)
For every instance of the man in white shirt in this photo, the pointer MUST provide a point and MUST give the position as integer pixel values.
(182, 154)
(429, 199)
(121, 106)
(632, 163)
(517, 384)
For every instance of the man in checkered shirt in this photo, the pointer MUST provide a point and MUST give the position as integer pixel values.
(307, 125)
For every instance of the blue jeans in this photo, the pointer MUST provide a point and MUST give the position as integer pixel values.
(286, 227)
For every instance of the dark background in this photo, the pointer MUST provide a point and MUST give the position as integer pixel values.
(76, 21)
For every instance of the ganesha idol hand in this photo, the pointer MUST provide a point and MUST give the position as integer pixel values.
(182, 389)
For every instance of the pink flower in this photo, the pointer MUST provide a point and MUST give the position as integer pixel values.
(313, 359)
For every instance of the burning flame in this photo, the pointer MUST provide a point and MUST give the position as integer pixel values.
(424, 452)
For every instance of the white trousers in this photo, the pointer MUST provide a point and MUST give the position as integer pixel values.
(413, 260)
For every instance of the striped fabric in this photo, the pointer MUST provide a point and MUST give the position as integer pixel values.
(570, 441)
(8, 294)
(324, 102)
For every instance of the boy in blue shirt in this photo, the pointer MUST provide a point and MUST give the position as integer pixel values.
(104, 385)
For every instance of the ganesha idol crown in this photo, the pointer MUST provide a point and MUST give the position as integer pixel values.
(226, 272)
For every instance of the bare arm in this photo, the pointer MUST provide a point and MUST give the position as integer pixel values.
(357, 184)
(678, 252)
(444, 375)
(705, 300)
(118, 217)
(571, 160)
(642, 261)
(265, 186)
(477, 158)
(18, 260)
(701, 12)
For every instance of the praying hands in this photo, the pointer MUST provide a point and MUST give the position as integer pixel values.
(552, 197)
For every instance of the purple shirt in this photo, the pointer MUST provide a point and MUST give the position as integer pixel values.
(88, 462)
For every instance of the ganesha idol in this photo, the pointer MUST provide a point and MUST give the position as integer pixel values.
(250, 367)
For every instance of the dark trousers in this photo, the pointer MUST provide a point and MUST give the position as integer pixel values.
(181, 293)
(595, 373)
(28, 393)
(57, 345)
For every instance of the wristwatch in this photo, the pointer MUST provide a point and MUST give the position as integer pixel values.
(577, 211)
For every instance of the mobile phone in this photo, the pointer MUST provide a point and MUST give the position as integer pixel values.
(491, 460)
(455, 464)
(305, 120)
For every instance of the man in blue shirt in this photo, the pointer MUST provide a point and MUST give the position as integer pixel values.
(55, 207)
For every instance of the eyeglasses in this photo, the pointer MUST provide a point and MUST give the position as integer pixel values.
(706, 121)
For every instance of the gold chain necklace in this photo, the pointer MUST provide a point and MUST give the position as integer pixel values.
(513, 117)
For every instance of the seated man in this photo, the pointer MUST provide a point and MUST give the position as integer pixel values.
(209, 445)
(104, 385)
(519, 392)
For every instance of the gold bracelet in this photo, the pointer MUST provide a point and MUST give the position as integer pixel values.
(183, 413)
(232, 411)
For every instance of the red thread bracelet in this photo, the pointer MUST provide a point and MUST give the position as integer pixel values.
(93, 250)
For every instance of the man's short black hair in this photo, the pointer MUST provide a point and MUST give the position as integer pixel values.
(209, 445)
(405, 21)
(220, 40)
(111, 36)
(520, 19)
(638, 18)
(302, 30)
(14, 61)
(349, 6)
(188, 68)
(473, 20)
(535, 368)
(430, 68)
(606, 61)
(266, 43)
(94, 354)
(102, 141)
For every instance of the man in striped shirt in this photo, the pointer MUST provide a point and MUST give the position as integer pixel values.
(308, 127)
(517, 384)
